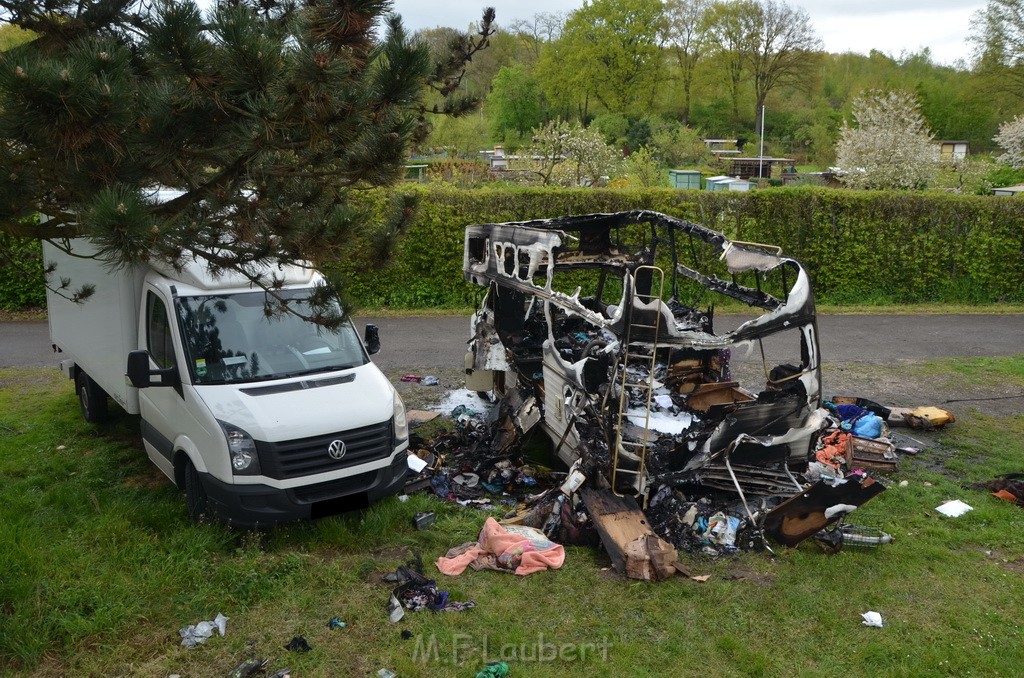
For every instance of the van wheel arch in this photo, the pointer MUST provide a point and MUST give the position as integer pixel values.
(187, 478)
(91, 398)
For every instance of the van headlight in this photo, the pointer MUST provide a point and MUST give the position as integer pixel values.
(242, 450)
(401, 421)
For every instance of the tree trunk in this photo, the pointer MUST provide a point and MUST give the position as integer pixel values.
(758, 111)
(687, 78)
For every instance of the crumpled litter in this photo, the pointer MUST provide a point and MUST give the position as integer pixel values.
(954, 508)
(722, 529)
(493, 670)
(196, 634)
(416, 464)
(298, 644)
(250, 667)
(512, 548)
(872, 619)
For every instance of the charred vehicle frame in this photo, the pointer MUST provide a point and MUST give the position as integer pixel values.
(590, 328)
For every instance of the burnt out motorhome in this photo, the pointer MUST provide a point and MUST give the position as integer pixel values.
(600, 328)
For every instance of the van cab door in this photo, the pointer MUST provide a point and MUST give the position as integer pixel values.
(161, 407)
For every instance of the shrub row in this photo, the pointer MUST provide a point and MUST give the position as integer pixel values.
(21, 273)
(858, 246)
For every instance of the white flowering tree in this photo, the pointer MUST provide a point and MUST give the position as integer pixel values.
(1011, 140)
(569, 154)
(890, 146)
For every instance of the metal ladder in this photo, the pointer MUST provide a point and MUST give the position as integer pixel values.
(646, 387)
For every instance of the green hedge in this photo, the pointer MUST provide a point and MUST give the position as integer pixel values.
(883, 247)
(21, 275)
(859, 247)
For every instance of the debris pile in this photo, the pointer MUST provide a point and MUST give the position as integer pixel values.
(673, 442)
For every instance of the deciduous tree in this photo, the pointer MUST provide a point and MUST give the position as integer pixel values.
(997, 33)
(780, 47)
(687, 37)
(610, 50)
(569, 154)
(514, 103)
(728, 44)
(1011, 140)
(540, 29)
(890, 147)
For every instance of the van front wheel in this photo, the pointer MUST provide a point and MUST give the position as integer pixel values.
(92, 398)
(195, 494)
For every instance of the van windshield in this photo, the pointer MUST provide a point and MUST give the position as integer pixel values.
(229, 339)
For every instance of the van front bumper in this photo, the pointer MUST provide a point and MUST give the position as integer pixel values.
(262, 505)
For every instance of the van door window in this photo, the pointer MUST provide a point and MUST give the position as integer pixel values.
(158, 332)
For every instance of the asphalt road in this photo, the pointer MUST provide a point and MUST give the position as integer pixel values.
(433, 344)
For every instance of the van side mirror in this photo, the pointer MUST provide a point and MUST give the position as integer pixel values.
(372, 339)
(142, 376)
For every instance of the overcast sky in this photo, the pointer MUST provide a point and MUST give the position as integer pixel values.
(890, 26)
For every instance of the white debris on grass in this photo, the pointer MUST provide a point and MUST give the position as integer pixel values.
(663, 422)
(196, 634)
(954, 508)
(872, 618)
(465, 397)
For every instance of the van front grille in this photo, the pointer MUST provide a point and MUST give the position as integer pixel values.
(309, 456)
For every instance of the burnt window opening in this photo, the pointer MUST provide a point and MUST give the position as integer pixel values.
(509, 260)
(775, 362)
(525, 261)
(477, 248)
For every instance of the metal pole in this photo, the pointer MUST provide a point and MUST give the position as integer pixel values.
(760, 157)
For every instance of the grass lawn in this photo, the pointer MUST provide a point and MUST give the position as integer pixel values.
(100, 567)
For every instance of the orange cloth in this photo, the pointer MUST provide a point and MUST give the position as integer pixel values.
(1006, 495)
(834, 452)
(517, 549)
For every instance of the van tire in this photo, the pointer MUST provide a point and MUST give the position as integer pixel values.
(195, 494)
(91, 398)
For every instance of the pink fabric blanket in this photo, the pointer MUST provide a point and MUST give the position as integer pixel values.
(512, 548)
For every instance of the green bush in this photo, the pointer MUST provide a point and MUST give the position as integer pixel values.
(859, 246)
(21, 275)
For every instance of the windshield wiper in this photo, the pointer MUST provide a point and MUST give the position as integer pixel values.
(318, 370)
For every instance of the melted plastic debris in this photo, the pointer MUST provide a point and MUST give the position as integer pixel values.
(465, 397)
(663, 422)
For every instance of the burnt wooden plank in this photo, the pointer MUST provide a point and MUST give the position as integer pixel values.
(633, 547)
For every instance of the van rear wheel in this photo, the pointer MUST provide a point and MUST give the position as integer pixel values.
(91, 398)
(195, 495)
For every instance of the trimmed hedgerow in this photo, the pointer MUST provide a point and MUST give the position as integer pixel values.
(21, 275)
(859, 246)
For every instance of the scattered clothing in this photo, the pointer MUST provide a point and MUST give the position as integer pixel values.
(512, 548)
(868, 426)
(1008, 487)
(415, 592)
(835, 445)
(298, 644)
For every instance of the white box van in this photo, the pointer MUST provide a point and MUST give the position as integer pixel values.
(259, 419)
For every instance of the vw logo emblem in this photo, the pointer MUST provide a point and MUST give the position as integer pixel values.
(336, 449)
